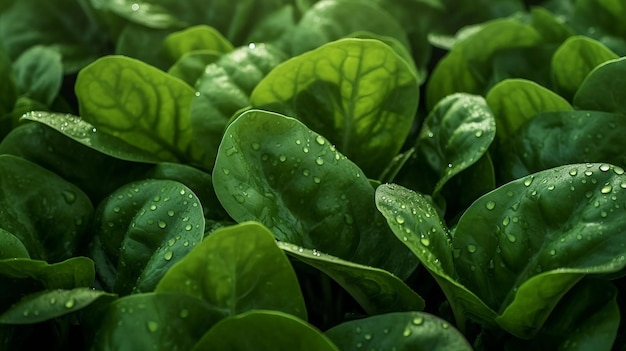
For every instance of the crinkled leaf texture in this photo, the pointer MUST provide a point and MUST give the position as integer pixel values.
(518, 249)
(274, 170)
(359, 93)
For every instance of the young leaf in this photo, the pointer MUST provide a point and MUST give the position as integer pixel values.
(158, 321)
(142, 229)
(514, 101)
(39, 74)
(524, 245)
(573, 61)
(376, 290)
(237, 269)
(357, 92)
(275, 170)
(603, 90)
(49, 304)
(201, 37)
(455, 135)
(141, 105)
(48, 214)
(264, 331)
(403, 330)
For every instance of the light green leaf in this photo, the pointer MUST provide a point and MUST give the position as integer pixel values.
(201, 37)
(237, 269)
(376, 290)
(141, 230)
(275, 170)
(603, 89)
(264, 331)
(357, 92)
(141, 105)
(403, 330)
(514, 101)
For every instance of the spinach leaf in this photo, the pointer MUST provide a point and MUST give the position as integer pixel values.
(275, 170)
(603, 89)
(39, 74)
(9, 89)
(357, 92)
(159, 321)
(400, 330)
(201, 37)
(11, 246)
(141, 230)
(141, 105)
(191, 65)
(237, 269)
(573, 61)
(376, 290)
(46, 213)
(264, 331)
(515, 101)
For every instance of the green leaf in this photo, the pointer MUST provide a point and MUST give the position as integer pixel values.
(514, 101)
(46, 213)
(237, 269)
(87, 134)
(142, 229)
(158, 321)
(49, 304)
(554, 139)
(275, 170)
(141, 105)
(524, 245)
(376, 290)
(11, 246)
(191, 65)
(468, 66)
(415, 221)
(403, 330)
(263, 331)
(603, 90)
(455, 135)
(573, 61)
(201, 37)
(9, 89)
(224, 88)
(357, 92)
(67, 27)
(39, 74)
(329, 20)
(143, 44)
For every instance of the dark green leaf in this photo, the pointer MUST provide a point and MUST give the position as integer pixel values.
(49, 304)
(144, 44)
(603, 89)
(157, 321)
(48, 214)
(141, 105)
(376, 290)
(11, 246)
(357, 92)
(142, 229)
(39, 74)
(275, 170)
(237, 269)
(264, 331)
(191, 65)
(200, 37)
(9, 90)
(514, 101)
(398, 331)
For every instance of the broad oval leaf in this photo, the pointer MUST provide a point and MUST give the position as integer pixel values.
(514, 101)
(526, 243)
(359, 93)
(191, 65)
(11, 246)
(49, 304)
(201, 37)
(142, 229)
(48, 214)
(574, 59)
(273, 169)
(264, 331)
(455, 135)
(237, 269)
(158, 321)
(402, 330)
(39, 74)
(376, 290)
(141, 105)
(603, 89)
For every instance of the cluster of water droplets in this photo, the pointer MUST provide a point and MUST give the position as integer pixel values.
(68, 124)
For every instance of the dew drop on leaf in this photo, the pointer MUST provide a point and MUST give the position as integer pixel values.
(528, 181)
(70, 303)
(490, 205)
(152, 326)
(511, 238)
(162, 224)
(320, 140)
(399, 219)
(319, 161)
(425, 241)
(168, 255)
(471, 248)
(69, 196)
(418, 321)
(606, 189)
(406, 332)
(605, 167)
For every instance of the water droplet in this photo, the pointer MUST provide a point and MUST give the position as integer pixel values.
(552, 252)
(317, 180)
(69, 196)
(116, 209)
(551, 187)
(606, 189)
(348, 219)
(153, 207)
(184, 313)
(445, 325)
(399, 219)
(170, 213)
(588, 173)
(168, 255)
(231, 151)
(53, 301)
(305, 149)
(528, 181)
(490, 205)
(471, 248)
(162, 224)
(367, 337)
(573, 172)
(425, 241)
(478, 133)
(320, 140)
(319, 161)
(604, 167)
(511, 238)
(70, 303)
(418, 321)
(282, 158)
(506, 221)
(603, 214)
(226, 171)
(407, 331)
(239, 198)
(152, 326)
